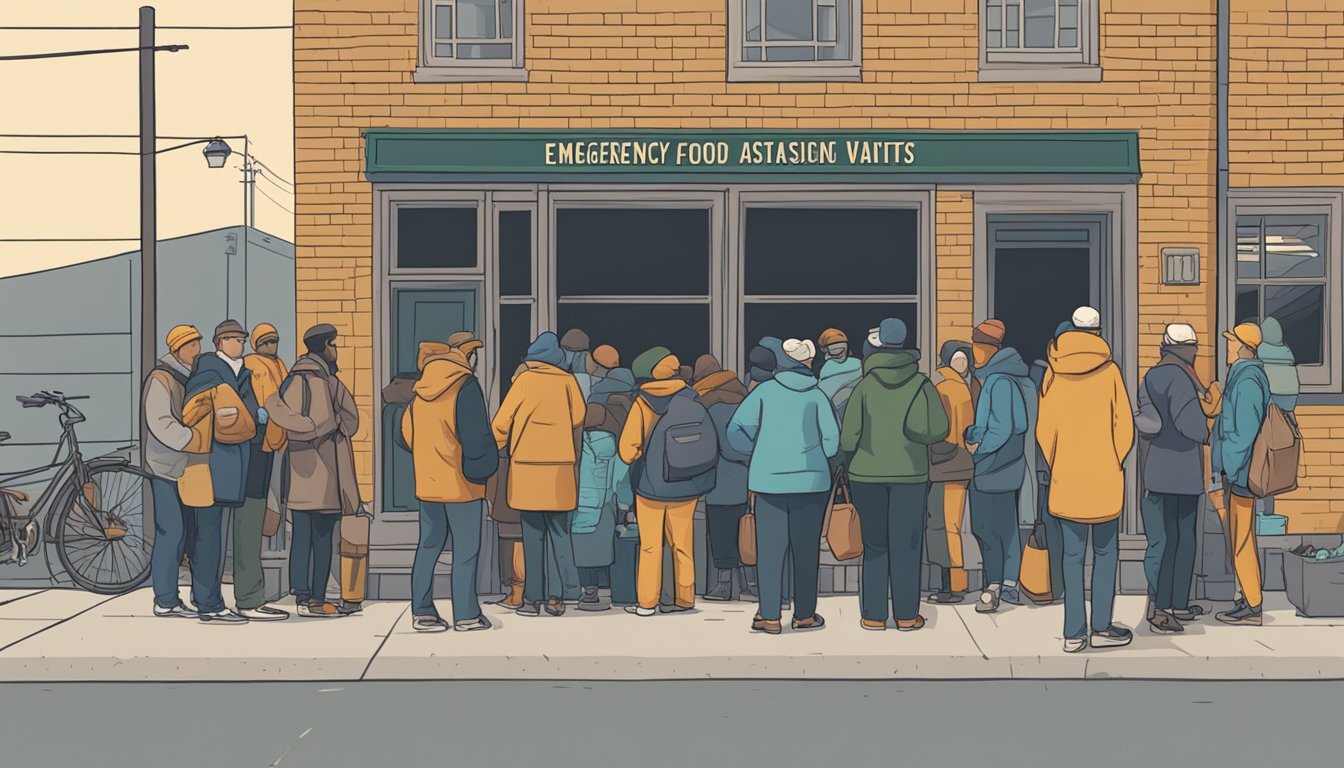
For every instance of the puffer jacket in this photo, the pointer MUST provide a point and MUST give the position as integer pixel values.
(448, 431)
(1005, 413)
(789, 429)
(539, 423)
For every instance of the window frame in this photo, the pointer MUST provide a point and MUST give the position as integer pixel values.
(1044, 65)
(433, 69)
(1326, 379)
(394, 201)
(741, 71)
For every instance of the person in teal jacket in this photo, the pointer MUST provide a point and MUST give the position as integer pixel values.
(788, 427)
(1280, 366)
(604, 497)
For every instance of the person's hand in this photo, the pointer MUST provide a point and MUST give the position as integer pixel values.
(262, 416)
(971, 447)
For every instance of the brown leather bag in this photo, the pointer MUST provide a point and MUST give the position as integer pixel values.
(1275, 455)
(844, 533)
(746, 533)
(950, 463)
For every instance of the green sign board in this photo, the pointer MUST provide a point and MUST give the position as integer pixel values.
(537, 155)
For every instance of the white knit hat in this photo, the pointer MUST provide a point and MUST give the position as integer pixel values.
(1180, 333)
(802, 351)
(1086, 319)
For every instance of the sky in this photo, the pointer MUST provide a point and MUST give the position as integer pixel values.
(230, 82)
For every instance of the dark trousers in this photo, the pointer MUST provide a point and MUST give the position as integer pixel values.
(994, 525)
(207, 566)
(722, 523)
(540, 529)
(463, 520)
(1177, 568)
(784, 522)
(892, 517)
(1105, 563)
(310, 554)
(174, 525)
(249, 582)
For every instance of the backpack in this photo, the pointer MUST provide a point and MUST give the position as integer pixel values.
(682, 451)
(1275, 455)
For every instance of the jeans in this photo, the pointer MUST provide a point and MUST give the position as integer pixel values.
(172, 524)
(591, 578)
(437, 520)
(1176, 569)
(1105, 563)
(1155, 531)
(722, 524)
(539, 529)
(207, 567)
(784, 522)
(249, 584)
(310, 554)
(994, 525)
(892, 517)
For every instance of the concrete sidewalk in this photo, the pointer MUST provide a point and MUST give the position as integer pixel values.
(66, 635)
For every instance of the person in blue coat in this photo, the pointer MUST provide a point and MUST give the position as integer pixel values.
(788, 427)
(228, 465)
(605, 497)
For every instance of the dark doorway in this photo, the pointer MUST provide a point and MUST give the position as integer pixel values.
(1041, 269)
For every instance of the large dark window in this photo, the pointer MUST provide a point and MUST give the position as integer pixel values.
(515, 253)
(436, 238)
(1281, 273)
(633, 328)
(807, 321)
(834, 251)
(515, 335)
(632, 251)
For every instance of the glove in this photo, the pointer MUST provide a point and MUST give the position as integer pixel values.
(262, 416)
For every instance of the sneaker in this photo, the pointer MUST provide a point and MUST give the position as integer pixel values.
(1163, 622)
(262, 613)
(555, 607)
(674, 608)
(873, 626)
(912, 625)
(346, 607)
(988, 602)
(319, 610)
(428, 624)
(640, 610)
(507, 601)
(1112, 637)
(1074, 644)
(529, 609)
(946, 598)
(722, 591)
(1245, 615)
(221, 617)
(595, 606)
(1191, 613)
(804, 625)
(759, 624)
(589, 597)
(472, 625)
(178, 611)
(1011, 595)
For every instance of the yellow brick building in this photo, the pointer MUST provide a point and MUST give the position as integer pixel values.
(499, 165)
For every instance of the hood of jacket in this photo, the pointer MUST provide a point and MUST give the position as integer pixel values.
(1272, 350)
(797, 379)
(840, 371)
(176, 366)
(704, 366)
(1271, 332)
(616, 380)
(442, 373)
(661, 389)
(1243, 368)
(891, 369)
(1006, 361)
(312, 364)
(430, 350)
(546, 349)
(1077, 353)
(950, 348)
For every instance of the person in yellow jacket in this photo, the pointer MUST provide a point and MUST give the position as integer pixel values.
(540, 422)
(948, 490)
(658, 518)
(1086, 430)
(448, 431)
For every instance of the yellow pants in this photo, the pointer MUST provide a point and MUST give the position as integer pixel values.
(674, 520)
(1239, 522)
(954, 510)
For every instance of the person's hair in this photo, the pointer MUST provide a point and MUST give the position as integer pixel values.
(318, 344)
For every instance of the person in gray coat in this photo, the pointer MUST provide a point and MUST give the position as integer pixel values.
(1173, 469)
(721, 392)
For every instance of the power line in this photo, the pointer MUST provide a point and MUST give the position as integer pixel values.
(65, 54)
(126, 29)
(69, 239)
(273, 200)
(99, 136)
(62, 152)
(268, 180)
(268, 173)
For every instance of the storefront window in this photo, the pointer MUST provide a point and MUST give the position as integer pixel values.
(515, 253)
(1281, 273)
(435, 237)
(515, 334)
(807, 321)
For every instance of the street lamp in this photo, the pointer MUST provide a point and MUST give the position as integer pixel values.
(217, 152)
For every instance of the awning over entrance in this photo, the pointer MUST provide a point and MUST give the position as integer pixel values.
(749, 155)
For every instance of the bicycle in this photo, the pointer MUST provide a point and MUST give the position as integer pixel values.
(93, 511)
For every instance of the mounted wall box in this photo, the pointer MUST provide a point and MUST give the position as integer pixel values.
(1180, 266)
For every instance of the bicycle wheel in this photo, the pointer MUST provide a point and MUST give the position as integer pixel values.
(104, 551)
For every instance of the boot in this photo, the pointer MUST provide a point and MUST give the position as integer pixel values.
(722, 591)
(747, 582)
(513, 600)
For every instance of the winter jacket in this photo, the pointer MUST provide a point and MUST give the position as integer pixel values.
(267, 375)
(448, 431)
(321, 458)
(1004, 414)
(1173, 459)
(617, 381)
(604, 482)
(787, 426)
(223, 478)
(837, 381)
(955, 394)
(1245, 403)
(730, 475)
(164, 397)
(642, 419)
(892, 418)
(1280, 366)
(1085, 429)
(539, 423)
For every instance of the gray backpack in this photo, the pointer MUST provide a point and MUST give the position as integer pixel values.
(682, 451)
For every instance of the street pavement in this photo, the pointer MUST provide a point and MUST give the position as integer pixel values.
(73, 636)
(687, 724)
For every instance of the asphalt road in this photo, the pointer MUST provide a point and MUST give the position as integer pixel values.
(709, 724)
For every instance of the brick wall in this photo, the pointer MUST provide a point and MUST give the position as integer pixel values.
(954, 252)
(1285, 129)
(661, 64)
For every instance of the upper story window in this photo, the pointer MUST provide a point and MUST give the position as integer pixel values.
(470, 40)
(794, 40)
(1039, 40)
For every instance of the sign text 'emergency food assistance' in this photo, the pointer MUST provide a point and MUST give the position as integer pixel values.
(817, 152)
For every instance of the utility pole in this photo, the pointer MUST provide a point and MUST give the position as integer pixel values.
(149, 234)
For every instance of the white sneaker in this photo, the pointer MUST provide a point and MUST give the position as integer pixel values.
(262, 613)
(1074, 644)
(640, 611)
(221, 617)
(178, 611)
